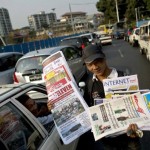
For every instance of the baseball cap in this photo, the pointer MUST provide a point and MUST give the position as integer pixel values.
(92, 52)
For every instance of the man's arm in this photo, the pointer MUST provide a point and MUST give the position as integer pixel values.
(45, 119)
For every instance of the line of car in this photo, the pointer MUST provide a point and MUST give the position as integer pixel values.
(141, 37)
(28, 68)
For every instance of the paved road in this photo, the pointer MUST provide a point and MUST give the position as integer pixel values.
(123, 56)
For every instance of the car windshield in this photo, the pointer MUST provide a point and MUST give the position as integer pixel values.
(30, 63)
(88, 36)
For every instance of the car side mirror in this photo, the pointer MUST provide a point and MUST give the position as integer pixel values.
(82, 87)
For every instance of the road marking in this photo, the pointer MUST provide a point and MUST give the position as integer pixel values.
(120, 53)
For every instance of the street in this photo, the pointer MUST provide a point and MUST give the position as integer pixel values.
(123, 56)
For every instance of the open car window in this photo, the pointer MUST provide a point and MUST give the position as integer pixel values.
(16, 131)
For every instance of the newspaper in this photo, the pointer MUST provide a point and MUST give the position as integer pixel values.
(113, 117)
(118, 94)
(125, 83)
(70, 111)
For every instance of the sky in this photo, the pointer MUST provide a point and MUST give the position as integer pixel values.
(19, 10)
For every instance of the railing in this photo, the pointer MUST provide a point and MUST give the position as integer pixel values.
(35, 45)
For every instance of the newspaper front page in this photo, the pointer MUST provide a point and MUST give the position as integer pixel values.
(113, 117)
(125, 83)
(70, 111)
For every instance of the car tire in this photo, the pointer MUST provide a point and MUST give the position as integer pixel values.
(133, 44)
(141, 51)
(147, 56)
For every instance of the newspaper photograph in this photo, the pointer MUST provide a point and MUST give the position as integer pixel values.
(70, 111)
(125, 83)
(56, 67)
(113, 117)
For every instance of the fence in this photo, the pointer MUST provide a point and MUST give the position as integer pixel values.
(36, 45)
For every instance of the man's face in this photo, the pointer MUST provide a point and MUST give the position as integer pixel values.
(97, 67)
(32, 106)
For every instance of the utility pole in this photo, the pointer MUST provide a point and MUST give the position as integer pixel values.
(117, 10)
(2, 40)
(71, 17)
(136, 15)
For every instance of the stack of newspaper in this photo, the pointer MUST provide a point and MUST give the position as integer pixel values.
(124, 104)
(70, 111)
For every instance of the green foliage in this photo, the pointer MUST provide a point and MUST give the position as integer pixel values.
(32, 34)
(126, 9)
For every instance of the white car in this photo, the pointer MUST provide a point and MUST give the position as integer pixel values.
(105, 39)
(19, 128)
(134, 37)
(29, 67)
(7, 66)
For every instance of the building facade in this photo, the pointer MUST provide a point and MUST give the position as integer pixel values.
(5, 22)
(37, 21)
(78, 20)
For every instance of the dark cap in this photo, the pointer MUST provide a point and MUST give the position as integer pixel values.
(92, 52)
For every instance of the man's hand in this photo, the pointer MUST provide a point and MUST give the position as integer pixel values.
(50, 105)
(133, 131)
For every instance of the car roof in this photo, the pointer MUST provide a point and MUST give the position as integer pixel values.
(73, 37)
(46, 51)
(86, 34)
(9, 90)
(9, 53)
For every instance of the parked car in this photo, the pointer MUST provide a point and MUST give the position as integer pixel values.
(78, 41)
(93, 38)
(7, 65)
(19, 128)
(105, 39)
(29, 67)
(134, 37)
(144, 39)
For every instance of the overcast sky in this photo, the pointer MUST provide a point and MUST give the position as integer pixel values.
(19, 10)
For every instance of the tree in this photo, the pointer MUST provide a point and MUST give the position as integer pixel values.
(126, 9)
(68, 28)
(32, 34)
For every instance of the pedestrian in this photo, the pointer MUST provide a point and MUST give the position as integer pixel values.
(95, 61)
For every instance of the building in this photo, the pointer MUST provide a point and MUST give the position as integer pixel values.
(38, 21)
(5, 22)
(77, 20)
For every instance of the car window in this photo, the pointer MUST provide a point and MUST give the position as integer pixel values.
(137, 31)
(16, 131)
(88, 36)
(9, 62)
(70, 53)
(85, 40)
(71, 41)
(94, 36)
(31, 63)
(40, 97)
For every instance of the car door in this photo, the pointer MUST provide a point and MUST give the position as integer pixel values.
(51, 138)
(75, 62)
(18, 130)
